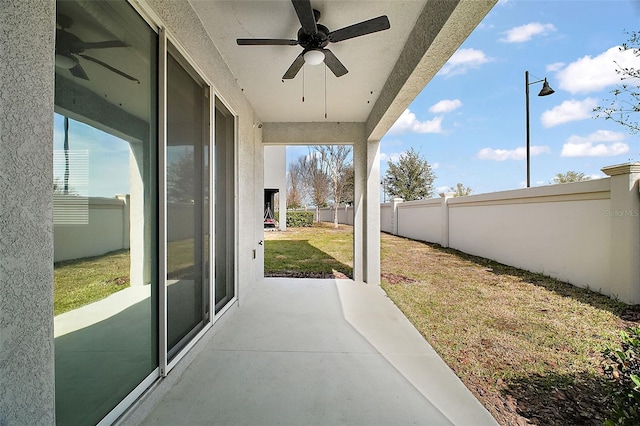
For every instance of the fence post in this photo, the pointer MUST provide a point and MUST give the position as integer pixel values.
(624, 214)
(126, 218)
(394, 215)
(444, 218)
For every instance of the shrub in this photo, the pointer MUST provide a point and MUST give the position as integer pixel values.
(622, 365)
(299, 219)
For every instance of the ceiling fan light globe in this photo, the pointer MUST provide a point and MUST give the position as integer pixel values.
(314, 57)
(66, 62)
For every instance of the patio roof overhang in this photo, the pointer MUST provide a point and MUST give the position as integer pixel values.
(387, 69)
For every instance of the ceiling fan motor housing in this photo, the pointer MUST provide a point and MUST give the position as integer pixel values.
(318, 40)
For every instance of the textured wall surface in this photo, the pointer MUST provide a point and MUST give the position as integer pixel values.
(27, 29)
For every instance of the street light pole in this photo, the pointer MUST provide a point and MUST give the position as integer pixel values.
(526, 87)
(546, 90)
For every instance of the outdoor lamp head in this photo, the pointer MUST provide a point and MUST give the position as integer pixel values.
(546, 89)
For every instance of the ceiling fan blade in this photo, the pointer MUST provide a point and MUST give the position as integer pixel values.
(363, 28)
(294, 68)
(78, 71)
(102, 44)
(266, 42)
(334, 63)
(109, 67)
(305, 15)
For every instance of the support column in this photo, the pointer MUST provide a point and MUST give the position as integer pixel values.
(394, 215)
(359, 190)
(366, 212)
(625, 231)
(444, 239)
(372, 214)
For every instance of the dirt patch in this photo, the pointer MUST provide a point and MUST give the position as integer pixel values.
(298, 274)
(397, 279)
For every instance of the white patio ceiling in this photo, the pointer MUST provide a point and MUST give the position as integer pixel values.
(387, 69)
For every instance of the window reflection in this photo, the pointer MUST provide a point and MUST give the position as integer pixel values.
(105, 207)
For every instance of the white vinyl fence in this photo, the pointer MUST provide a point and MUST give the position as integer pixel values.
(585, 233)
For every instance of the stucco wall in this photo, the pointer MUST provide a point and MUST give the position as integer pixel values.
(275, 167)
(105, 231)
(421, 219)
(26, 230)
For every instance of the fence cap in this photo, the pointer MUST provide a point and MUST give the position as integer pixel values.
(621, 169)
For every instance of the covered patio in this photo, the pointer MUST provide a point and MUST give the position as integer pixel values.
(309, 351)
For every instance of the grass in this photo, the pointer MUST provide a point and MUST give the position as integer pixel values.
(320, 250)
(528, 346)
(82, 281)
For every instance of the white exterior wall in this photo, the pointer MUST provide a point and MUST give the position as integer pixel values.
(345, 215)
(386, 213)
(567, 240)
(275, 177)
(421, 220)
(105, 232)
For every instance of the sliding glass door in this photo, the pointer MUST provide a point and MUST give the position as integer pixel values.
(187, 174)
(105, 208)
(133, 286)
(224, 206)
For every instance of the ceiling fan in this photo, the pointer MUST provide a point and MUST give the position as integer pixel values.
(314, 38)
(69, 47)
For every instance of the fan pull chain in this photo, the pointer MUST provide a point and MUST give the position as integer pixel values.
(325, 92)
(303, 84)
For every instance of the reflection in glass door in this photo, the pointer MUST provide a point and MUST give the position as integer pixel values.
(105, 209)
(224, 206)
(187, 175)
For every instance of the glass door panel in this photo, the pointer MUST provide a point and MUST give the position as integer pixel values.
(224, 206)
(187, 204)
(105, 209)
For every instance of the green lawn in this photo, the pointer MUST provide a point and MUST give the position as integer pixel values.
(82, 281)
(320, 250)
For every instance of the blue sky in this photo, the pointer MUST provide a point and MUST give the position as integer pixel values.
(106, 156)
(469, 122)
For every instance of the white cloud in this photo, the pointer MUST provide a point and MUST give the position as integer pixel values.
(390, 157)
(602, 143)
(463, 60)
(445, 105)
(441, 189)
(571, 110)
(519, 153)
(589, 74)
(435, 165)
(527, 32)
(408, 122)
(596, 176)
(556, 66)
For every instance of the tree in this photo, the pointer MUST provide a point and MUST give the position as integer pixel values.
(316, 179)
(570, 176)
(296, 189)
(625, 106)
(410, 179)
(461, 191)
(180, 178)
(335, 159)
(348, 179)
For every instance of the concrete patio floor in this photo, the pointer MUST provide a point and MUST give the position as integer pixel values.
(315, 352)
